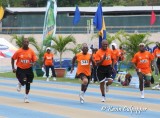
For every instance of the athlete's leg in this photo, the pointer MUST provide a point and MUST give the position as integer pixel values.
(26, 100)
(47, 73)
(141, 84)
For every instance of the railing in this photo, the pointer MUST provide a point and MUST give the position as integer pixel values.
(78, 29)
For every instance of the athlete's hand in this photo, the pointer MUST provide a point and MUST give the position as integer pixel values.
(72, 70)
(137, 70)
(14, 70)
(104, 56)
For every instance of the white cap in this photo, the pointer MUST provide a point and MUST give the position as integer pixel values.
(115, 45)
(48, 48)
(141, 44)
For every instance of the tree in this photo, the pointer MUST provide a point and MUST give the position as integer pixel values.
(35, 3)
(19, 39)
(40, 55)
(76, 49)
(60, 45)
(82, 3)
(131, 42)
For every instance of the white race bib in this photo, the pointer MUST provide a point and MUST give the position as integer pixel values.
(143, 61)
(48, 57)
(108, 57)
(24, 61)
(84, 62)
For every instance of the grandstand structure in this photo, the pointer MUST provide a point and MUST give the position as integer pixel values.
(130, 19)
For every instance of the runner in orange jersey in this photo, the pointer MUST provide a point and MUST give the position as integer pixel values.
(26, 58)
(142, 61)
(105, 68)
(83, 69)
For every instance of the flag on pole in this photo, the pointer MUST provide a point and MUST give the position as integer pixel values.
(99, 22)
(153, 18)
(76, 18)
(50, 19)
(102, 33)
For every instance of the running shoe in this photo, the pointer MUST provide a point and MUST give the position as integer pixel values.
(54, 79)
(26, 100)
(156, 87)
(19, 87)
(142, 94)
(81, 96)
(103, 99)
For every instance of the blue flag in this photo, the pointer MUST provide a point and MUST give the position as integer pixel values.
(76, 18)
(102, 33)
(97, 21)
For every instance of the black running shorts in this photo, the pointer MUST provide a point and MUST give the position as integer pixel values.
(81, 75)
(25, 73)
(104, 72)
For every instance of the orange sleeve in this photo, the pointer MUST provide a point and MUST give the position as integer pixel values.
(44, 56)
(118, 53)
(96, 58)
(34, 57)
(151, 56)
(15, 55)
(134, 59)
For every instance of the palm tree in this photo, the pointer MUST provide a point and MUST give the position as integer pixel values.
(76, 49)
(19, 39)
(60, 43)
(131, 42)
(110, 38)
(40, 55)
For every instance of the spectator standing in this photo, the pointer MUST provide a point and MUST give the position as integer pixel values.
(49, 63)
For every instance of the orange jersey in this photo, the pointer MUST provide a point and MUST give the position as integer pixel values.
(115, 55)
(83, 64)
(143, 61)
(156, 53)
(24, 58)
(109, 56)
(48, 59)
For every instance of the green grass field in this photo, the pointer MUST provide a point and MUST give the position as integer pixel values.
(12, 75)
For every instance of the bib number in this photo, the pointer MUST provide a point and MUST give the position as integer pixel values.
(84, 62)
(143, 61)
(24, 61)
